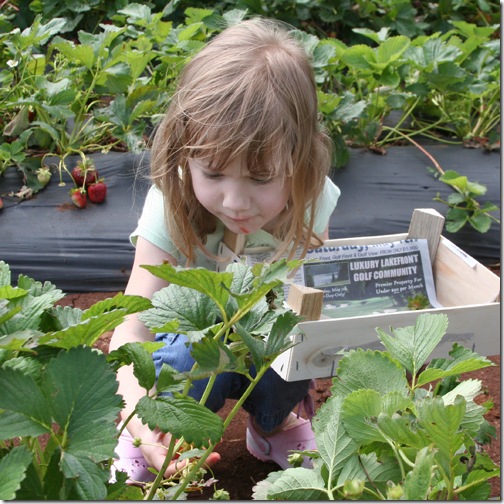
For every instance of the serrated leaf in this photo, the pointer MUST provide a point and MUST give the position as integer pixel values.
(5, 274)
(442, 423)
(261, 489)
(25, 409)
(85, 333)
(256, 345)
(463, 360)
(365, 369)
(213, 356)
(278, 339)
(85, 405)
(368, 467)
(411, 346)
(9, 292)
(391, 49)
(299, 484)
(181, 417)
(334, 444)
(480, 222)
(192, 310)
(417, 483)
(169, 380)
(360, 57)
(141, 357)
(88, 479)
(403, 429)
(13, 467)
(359, 415)
(130, 304)
(211, 283)
(32, 307)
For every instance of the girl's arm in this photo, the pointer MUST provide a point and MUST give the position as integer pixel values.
(142, 283)
(325, 235)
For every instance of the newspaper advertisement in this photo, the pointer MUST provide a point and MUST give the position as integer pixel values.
(365, 279)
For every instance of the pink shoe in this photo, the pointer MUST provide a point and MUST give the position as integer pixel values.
(277, 448)
(131, 461)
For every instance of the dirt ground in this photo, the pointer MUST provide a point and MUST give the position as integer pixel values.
(238, 471)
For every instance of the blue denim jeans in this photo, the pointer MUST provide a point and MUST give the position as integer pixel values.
(270, 402)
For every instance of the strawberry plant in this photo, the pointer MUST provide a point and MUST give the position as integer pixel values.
(54, 384)
(395, 428)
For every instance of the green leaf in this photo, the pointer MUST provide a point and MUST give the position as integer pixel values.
(213, 356)
(401, 426)
(463, 360)
(360, 411)
(411, 346)
(25, 408)
(13, 467)
(192, 310)
(78, 53)
(213, 284)
(360, 57)
(88, 479)
(442, 423)
(141, 357)
(473, 417)
(278, 339)
(181, 417)
(256, 345)
(85, 333)
(418, 481)
(368, 468)
(364, 369)
(456, 219)
(480, 222)
(84, 405)
(130, 304)
(299, 484)
(32, 308)
(333, 442)
(9, 292)
(391, 49)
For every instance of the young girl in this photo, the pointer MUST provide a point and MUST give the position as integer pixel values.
(240, 148)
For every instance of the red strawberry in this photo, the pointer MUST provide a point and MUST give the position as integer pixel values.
(78, 197)
(85, 173)
(97, 192)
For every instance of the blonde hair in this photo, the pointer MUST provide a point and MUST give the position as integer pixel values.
(249, 92)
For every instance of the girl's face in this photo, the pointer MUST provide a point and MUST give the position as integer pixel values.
(244, 203)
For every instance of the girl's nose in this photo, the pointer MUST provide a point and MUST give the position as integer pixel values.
(236, 199)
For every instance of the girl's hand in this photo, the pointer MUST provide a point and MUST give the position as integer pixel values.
(154, 448)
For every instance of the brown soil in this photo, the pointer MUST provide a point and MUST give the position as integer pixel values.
(238, 471)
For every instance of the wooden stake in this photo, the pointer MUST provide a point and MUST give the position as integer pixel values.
(427, 223)
(306, 301)
(235, 242)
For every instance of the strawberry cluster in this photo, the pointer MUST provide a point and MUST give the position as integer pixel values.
(88, 185)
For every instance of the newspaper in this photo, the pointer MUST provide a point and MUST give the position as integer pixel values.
(363, 279)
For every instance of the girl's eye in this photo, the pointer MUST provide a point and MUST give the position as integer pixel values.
(212, 175)
(262, 181)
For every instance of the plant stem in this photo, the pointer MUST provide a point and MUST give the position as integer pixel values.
(422, 149)
(160, 474)
(227, 421)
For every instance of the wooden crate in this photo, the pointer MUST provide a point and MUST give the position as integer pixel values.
(468, 291)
